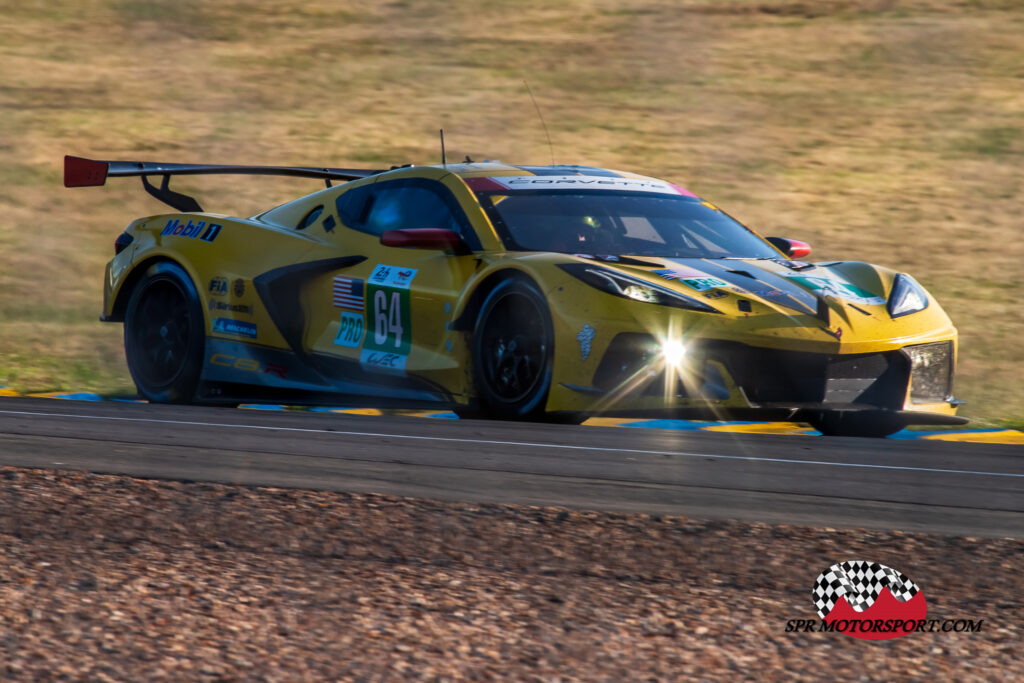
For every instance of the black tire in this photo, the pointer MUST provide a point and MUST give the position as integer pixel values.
(513, 347)
(869, 425)
(164, 336)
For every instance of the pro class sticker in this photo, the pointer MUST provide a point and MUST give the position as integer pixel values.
(348, 296)
(350, 331)
(703, 284)
(694, 279)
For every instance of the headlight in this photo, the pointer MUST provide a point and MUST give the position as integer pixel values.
(931, 371)
(906, 296)
(640, 293)
(629, 287)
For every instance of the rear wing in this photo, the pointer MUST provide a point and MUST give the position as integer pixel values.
(79, 172)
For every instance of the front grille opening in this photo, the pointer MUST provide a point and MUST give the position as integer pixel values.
(778, 376)
(773, 376)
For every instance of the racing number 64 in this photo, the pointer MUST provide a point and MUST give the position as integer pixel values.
(387, 319)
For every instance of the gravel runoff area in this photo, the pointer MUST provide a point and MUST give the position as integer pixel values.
(114, 578)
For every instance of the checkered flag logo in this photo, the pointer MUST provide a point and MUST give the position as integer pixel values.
(860, 583)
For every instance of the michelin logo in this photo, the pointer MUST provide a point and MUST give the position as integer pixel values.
(235, 328)
(585, 336)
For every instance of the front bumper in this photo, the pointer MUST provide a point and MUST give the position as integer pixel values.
(725, 379)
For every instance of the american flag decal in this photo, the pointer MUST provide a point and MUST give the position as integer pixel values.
(348, 293)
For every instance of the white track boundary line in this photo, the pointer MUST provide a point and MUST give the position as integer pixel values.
(527, 444)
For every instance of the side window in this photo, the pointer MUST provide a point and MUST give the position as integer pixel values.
(400, 204)
(409, 207)
(389, 211)
(310, 218)
(354, 205)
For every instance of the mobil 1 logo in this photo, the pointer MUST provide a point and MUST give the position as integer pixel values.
(388, 321)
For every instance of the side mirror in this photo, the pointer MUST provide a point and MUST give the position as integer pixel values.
(426, 238)
(791, 248)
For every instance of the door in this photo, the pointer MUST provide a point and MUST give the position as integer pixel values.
(388, 317)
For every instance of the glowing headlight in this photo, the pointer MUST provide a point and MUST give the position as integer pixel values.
(906, 297)
(673, 352)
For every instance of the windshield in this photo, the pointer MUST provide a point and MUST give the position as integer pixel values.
(642, 224)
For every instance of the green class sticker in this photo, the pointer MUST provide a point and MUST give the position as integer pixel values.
(388, 319)
(838, 289)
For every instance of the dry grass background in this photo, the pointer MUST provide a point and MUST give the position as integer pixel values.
(881, 130)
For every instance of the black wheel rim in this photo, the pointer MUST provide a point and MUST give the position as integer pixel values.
(161, 331)
(514, 348)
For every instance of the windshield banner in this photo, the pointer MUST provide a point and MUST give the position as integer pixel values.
(583, 182)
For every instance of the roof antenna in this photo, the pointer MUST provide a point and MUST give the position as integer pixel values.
(550, 146)
(444, 158)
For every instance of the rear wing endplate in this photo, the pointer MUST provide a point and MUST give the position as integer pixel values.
(80, 172)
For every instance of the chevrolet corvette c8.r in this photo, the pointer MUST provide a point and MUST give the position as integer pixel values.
(518, 292)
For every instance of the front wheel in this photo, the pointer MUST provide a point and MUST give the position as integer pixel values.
(163, 335)
(513, 348)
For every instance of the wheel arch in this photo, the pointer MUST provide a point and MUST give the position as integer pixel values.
(466, 319)
(124, 294)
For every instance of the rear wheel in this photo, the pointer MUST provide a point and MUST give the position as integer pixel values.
(871, 425)
(163, 335)
(513, 347)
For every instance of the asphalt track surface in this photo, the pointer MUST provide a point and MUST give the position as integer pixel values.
(960, 488)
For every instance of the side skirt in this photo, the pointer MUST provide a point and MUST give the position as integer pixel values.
(235, 371)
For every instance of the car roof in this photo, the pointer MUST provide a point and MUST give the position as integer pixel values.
(282, 214)
(478, 169)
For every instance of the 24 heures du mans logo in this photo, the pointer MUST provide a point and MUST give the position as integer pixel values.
(874, 602)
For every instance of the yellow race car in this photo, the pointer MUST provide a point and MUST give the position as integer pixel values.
(515, 292)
